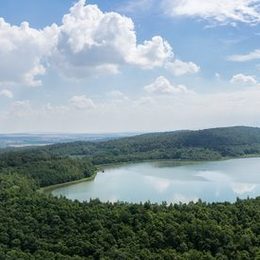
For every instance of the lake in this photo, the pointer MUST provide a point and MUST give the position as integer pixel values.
(171, 181)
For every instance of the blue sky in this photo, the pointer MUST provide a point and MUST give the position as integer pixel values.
(116, 66)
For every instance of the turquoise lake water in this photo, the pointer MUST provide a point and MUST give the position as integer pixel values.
(171, 181)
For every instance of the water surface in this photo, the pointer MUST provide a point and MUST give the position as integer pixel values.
(171, 182)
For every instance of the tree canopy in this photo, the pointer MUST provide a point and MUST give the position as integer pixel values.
(38, 226)
(35, 225)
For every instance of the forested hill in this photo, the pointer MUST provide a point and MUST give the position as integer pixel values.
(205, 144)
(39, 226)
(60, 163)
(208, 144)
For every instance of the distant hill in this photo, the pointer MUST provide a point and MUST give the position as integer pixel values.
(39, 226)
(63, 162)
(208, 144)
(41, 139)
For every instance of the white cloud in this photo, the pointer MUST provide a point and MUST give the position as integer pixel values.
(216, 11)
(91, 40)
(29, 78)
(88, 42)
(179, 68)
(81, 102)
(243, 79)
(6, 93)
(22, 52)
(163, 86)
(151, 54)
(155, 113)
(254, 55)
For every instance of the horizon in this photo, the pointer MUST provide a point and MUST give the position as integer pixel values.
(135, 66)
(126, 133)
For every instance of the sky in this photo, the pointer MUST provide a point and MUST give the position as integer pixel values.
(100, 66)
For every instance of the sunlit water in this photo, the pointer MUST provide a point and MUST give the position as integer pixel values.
(164, 181)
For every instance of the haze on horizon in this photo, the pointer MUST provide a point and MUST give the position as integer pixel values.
(128, 66)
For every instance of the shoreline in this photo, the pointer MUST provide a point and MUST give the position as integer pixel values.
(50, 188)
(102, 167)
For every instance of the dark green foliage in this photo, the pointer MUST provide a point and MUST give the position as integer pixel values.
(47, 170)
(57, 170)
(209, 144)
(37, 226)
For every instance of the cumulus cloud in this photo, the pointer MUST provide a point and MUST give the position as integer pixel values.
(179, 68)
(243, 79)
(88, 41)
(22, 52)
(216, 11)
(81, 102)
(151, 54)
(6, 93)
(161, 85)
(254, 55)
(91, 40)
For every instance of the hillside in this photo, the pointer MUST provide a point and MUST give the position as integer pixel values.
(205, 144)
(40, 226)
(72, 161)
(208, 144)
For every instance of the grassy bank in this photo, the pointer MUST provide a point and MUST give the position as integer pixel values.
(60, 185)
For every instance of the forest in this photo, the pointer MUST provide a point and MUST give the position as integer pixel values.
(208, 144)
(47, 170)
(39, 226)
(35, 225)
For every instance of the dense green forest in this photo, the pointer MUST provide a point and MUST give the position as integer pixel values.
(37, 226)
(47, 170)
(209, 144)
(34, 225)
